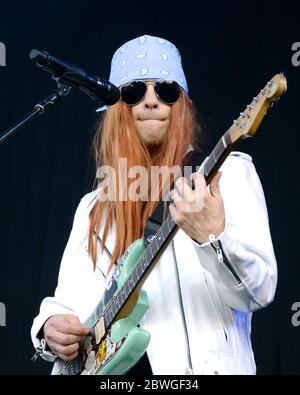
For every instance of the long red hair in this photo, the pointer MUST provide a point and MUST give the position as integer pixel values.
(116, 137)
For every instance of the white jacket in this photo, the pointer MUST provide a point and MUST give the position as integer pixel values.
(201, 296)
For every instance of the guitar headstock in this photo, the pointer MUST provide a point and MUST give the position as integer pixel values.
(249, 120)
(276, 87)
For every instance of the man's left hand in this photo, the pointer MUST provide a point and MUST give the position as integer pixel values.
(200, 211)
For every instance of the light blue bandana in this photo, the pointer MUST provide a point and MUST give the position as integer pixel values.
(147, 57)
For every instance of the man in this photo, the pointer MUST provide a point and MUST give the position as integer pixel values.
(220, 266)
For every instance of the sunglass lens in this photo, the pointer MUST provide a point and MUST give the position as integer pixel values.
(168, 91)
(134, 92)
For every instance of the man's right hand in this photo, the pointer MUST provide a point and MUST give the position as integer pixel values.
(63, 333)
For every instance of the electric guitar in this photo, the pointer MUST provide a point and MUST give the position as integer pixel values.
(115, 342)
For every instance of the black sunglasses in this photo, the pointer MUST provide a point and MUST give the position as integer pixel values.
(135, 91)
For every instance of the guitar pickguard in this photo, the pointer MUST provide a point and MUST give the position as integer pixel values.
(96, 356)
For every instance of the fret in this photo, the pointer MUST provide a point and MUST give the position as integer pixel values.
(168, 223)
(163, 235)
(139, 271)
(114, 309)
(156, 240)
(130, 281)
(144, 263)
(119, 300)
(111, 317)
(224, 142)
(127, 288)
(107, 314)
(213, 156)
(171, 223)
(134, 277)
(153, 246)
(227, 138)
(118, 303)
(205, 171)
(107, 317)
(105, 320)
(209, 165)
(98, 310)
(218, 151)
(148, 256)
(151, 252)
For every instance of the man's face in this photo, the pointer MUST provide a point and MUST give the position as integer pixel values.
(151, 118)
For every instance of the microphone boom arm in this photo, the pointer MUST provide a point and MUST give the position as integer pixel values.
(40, 108)
(67, 77)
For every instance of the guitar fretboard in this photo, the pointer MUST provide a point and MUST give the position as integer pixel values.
(223, 145)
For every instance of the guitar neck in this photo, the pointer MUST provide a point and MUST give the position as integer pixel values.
(218, 155)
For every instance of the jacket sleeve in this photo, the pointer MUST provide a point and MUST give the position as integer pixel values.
(75, 270)
(242, 258)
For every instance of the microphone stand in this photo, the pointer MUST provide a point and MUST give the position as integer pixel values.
(40, 108)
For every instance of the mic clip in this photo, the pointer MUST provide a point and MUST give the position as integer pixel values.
(60, 92)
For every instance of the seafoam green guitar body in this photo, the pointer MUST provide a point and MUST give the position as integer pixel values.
(116, 348)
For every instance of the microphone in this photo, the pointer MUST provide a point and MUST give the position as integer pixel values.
(97, 88)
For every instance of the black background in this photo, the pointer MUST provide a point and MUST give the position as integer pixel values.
(229, 51)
